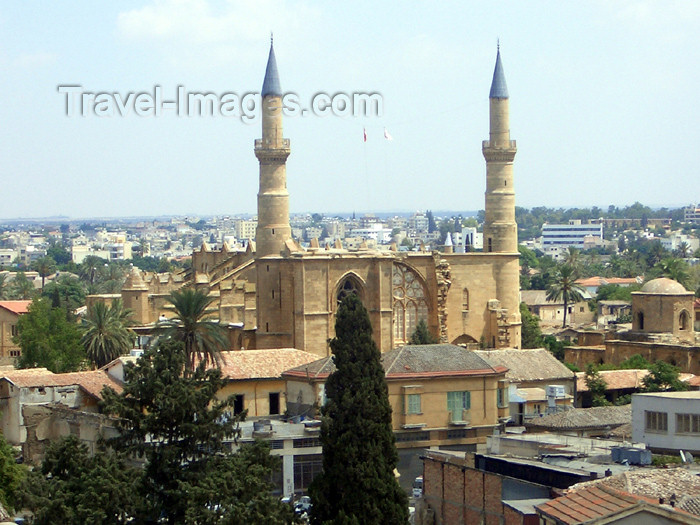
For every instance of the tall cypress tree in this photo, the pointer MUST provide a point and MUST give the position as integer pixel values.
(357, 485)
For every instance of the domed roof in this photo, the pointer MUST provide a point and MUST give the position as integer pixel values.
(664, 285)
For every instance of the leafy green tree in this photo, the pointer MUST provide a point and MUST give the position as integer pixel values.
(357, 484)
(596, 386)
(73, 487)
(676, 269)
(106, 334)
(48, 340)
(565, 288)
(203, 337)
(635, 362)
(172, 419)
(44, 266)
(421, 335)
(531, 335)
(555, 346)
(147, 263)
(21, 287)
(11, 475)
(59, 254)
(4, 287)
(615, 292)
(66, 293)
(663, 377)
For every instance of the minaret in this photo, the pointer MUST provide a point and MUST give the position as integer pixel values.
(500, 230)
(272, 152)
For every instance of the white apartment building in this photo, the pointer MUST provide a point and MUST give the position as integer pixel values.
(573, 234)
(376, 232)
(245, 229)
(692, 214)
(676, 239)
(667, 421)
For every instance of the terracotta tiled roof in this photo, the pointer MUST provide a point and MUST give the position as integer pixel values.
(585, 418)
(92, 382)
(590, 503)
(599, 281)
(626, 379)
(652, 483)
(615, 379)
(263, 364)
(536, 364)
(16, 307)
(415, 361)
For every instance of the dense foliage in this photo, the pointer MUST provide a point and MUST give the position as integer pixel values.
(531, 335)
(106, 333)
(421, 335)
(194, 325)
(48, 339)
(174, 423)
(74, 487)
(11, 475)
(357, 484)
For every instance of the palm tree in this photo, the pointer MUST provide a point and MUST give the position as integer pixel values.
(21, 287)
(106, 335)
(203, 337)
(565, 288)
(4, 288)
(572, 257)
(676, 269)
(44, 266)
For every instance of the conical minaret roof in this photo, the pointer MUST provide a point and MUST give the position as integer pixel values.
(498, 84)
(271, 84)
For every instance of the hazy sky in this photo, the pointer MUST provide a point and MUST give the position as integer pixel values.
(604, 104)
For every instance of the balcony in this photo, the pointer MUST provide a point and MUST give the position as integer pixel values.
(268, 144)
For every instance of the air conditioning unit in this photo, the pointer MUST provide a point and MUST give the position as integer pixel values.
(556, 391)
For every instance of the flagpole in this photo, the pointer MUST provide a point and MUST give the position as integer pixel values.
(364, 154)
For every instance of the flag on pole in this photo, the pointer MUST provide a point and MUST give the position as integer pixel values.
(364, 134)
(387, 136)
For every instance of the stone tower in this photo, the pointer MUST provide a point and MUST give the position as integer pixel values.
(500, 230)
(272, 152)
(273, 288)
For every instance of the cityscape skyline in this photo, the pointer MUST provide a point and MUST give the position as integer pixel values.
(597, 65)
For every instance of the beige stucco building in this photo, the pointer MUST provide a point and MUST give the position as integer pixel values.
(440, 395)
(9, 315)
(278, 294)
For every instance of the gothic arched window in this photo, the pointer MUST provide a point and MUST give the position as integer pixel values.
(683, 320)
(410, 304)
(349, 286)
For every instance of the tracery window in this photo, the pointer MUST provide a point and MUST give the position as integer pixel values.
(410, 304)
(349, 287)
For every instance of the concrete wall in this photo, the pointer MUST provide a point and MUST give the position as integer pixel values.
(685, 403)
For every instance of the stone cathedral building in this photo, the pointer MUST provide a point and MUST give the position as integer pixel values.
(278, 294)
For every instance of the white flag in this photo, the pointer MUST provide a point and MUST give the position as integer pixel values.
(387, 136)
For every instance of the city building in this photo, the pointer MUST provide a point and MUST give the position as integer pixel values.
(558, 237)
(440, 395)
(667, 421)
(9, 314)
(294, 291)
(691, 214)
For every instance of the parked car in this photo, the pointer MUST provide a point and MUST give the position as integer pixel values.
(418, 487)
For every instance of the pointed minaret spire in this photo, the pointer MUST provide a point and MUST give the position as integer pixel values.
(272, 151)
(498, 84)
(271, 84)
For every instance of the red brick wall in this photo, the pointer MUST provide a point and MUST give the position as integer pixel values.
(453, 503)
(432, 486)
(512, 517)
